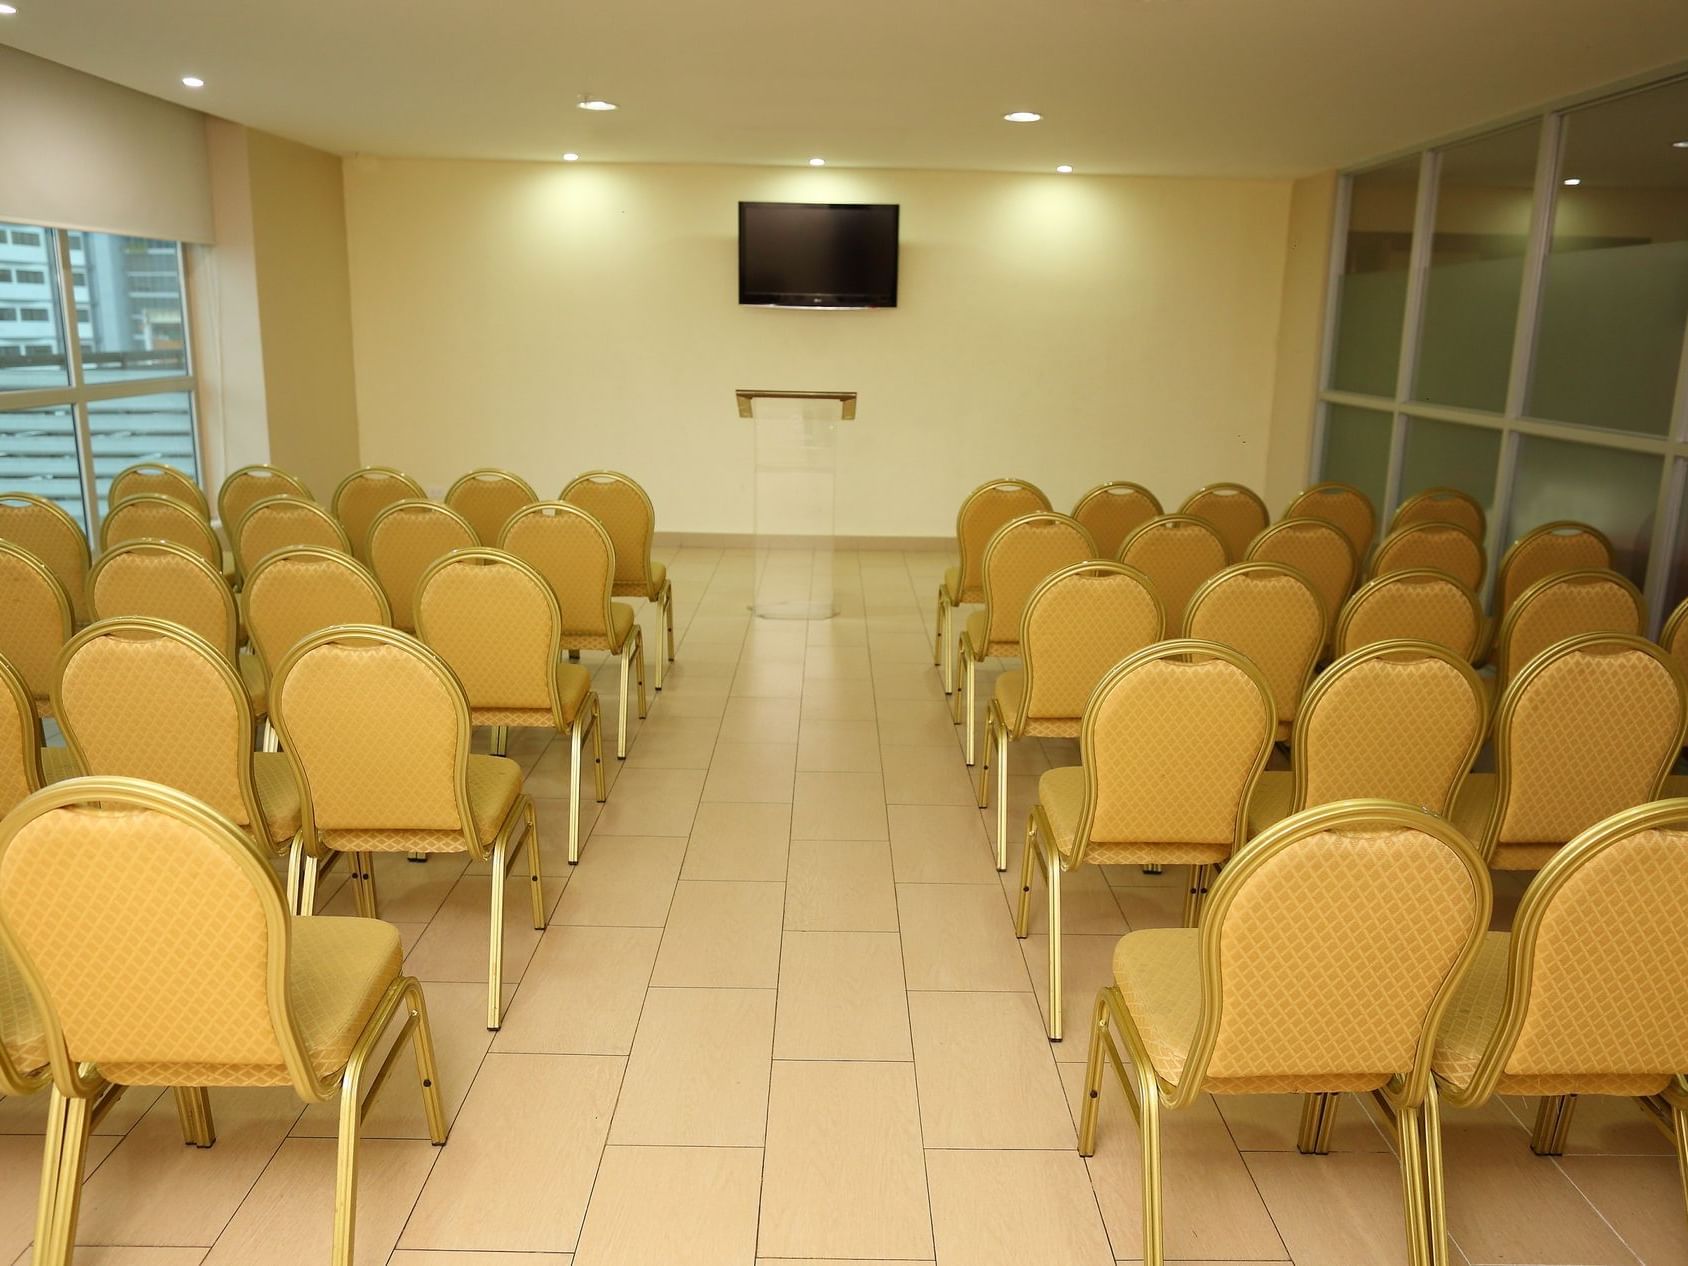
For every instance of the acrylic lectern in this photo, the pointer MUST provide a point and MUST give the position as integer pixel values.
(793, 489)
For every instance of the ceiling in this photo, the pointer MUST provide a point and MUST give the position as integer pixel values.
(1171, 87)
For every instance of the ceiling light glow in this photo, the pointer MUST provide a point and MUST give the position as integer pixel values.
(1022, 116)
(1573, 180)
(817, 162)
(596, 103)
(7, 10)
(192, 81)
(1673, 144)
(1064, 169)
(571, 158)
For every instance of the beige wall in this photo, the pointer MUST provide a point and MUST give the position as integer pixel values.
(1301, 324)
(1068, 330)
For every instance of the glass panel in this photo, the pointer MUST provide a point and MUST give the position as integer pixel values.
(1357, 450)
(1615, 292)
(1372, 294)
(157, 428)
(38, 455)
(129, 312)
(32, 348)
(1613, 489)
(1476, 269)
(1679, 567)
(1447, 455)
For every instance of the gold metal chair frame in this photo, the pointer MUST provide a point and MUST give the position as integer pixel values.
(1040, 836)
(1504, 597)
(209, 546)
(1235, 550)
(1001, 729)
(1306, 505)
(34, 778)
(487, 475)
(1433, 505)
(1368, 591)
(1174, 616)
(1286, 528)
(945, 649)
(663, 598)
(61, 600)
(360, 540)
(271, 475)
(964, 706)
(1115, 489)
(1408, 1100)
(1504, 665)
(587, 718)
(245, 567)
(338, 558)
(407, 507)
(186, 490)
(508, 841)
(1215, 581)
(1671, 634)
(78, 1091)
(230, 636)
(1405, 533)
(75, 581)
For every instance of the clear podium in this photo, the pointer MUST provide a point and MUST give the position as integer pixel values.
(794, 480)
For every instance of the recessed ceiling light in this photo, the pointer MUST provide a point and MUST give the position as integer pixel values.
(192, 81)
(1673, 144)
(1022, 116)
(596, 103)
(1573, 180)
(817, 162)
(571, 158)
(1064, 169)
(7, 10)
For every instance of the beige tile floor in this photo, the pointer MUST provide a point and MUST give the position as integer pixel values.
(780, 1017)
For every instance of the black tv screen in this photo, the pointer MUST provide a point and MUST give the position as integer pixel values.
(817, 255)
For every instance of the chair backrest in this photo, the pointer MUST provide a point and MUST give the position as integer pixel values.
(295, 592)
(156, 477)
(377, 728)
(150, 932)
(155, 517)
(1398, 721)
(1588, 600)
(44, 529)
(404, 539)
(573, 551)
(494, 619)
(487, 498)
(363, 494)
(1341, 504)
(1331, 946)
(35, 618)
(1587, 728)
(284, 523)
(1596, 959)
(1421, 605)
(1441, 546)
(1173, 740)
(1320, 551)
(1236, 512)
(1177, 552)
(20, 739)
(1023, 553)
(625, 510)
(1442, 505)
(249, 485)
(1550, 548)
(1078, 623)
(986, 509)
(1111, 512)
(141, 698)
(1674, 636)
(1273, 615)
(163, 581)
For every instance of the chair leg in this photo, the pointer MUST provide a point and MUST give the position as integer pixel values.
(983, 796)
(946, 631)
(639, 672)
(1153, 868)
(495, 948)
(656, 676)
(536, 880)
(1093, 1077)
(1553, 1125)
(308, 886)
(668, 617)
(598, 750)
(1431, 1179)
(1409, 1130)
(574, 789)
(193, 1112)
(499, 740)
(1200, 878)
(938, 631)
(954, 692)
(1023, 912)
(295, 872)
(346, 1166)
(427, 1070)
(366, 869)
(1148, 1134)
(270, 739)
(1001, 798)
(1318, 1118)
(621, 716)
(66, 1145)
(1052, 885)
(971, 717)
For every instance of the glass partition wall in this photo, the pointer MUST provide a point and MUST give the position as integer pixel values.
(1509, 316)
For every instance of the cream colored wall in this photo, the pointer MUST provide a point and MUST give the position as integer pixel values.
(1301, 325)
(1068, 330)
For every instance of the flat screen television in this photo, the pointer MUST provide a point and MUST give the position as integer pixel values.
(817, 255)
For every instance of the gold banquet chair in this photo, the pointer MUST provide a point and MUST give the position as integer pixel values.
(363, 494)
(1674, 636)
(166, 953)
(26, 763)
(487, 498)
(163, 480)
(1420, 605)
(249, 485)
(144, 698)
(1320, 551)
(1078, 623)
(1235, 512)
(1273, 615)
(1327, 956)
(1587, 728)
(1442, 547)
(38, 621)
(573, 551)
(1399, 721)
(152, 516)
(295, 592)
(1023, 553)
(985, 509)
(1173, 740)
(1543, 551)
(494, 619)
(1112, 511)
(625, 510)
(1178, 553)
(1584, 996)
(1564, 605)
(1442, 505)
(1342, 504)
(405, 539)
(44, 529)
(377, 728)
(278, 523)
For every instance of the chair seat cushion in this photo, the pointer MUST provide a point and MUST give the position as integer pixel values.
(21, 1031)
(57, 764)
(278, 794)
(1010, 686)
(651, 591)
(954, 594)
(1471, 807)
(974, 635)
(1158, 972)
(574, 684)
(1274, 792)
(495, 785)
(1060, 793)
(257, 685)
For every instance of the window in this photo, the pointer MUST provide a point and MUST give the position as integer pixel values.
(1373, 287)
(8, 314)
(5, 276)
(68, 423)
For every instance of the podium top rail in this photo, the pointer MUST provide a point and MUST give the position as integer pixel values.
(747, 395)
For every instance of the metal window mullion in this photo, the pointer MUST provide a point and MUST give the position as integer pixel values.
(1543, 203)
(1338, 252)
(1418, 271)
(79, 409)
(1661, 554)
(1506, 468)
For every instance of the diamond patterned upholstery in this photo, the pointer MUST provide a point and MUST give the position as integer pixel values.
(1553, 547)
(282, 523)
(57, 764)
(1233, 511)
(36, 619)
(41, 527)
(1436, 546)
(165, 582)
(299, 592)
(149, 516)
(1273, 616)
(625, 510)
(21, 1032)
(1113, 511)
(494, 785)
(1177, 553)
(1319, 551)
(574, 553)
(363, 494)
(1341, 504)
(404, 541)
(1443, 505)
(156, 479)
(1562, 606)
(984, 511)
(487, 499)
(248, 486)
(1415, 606)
